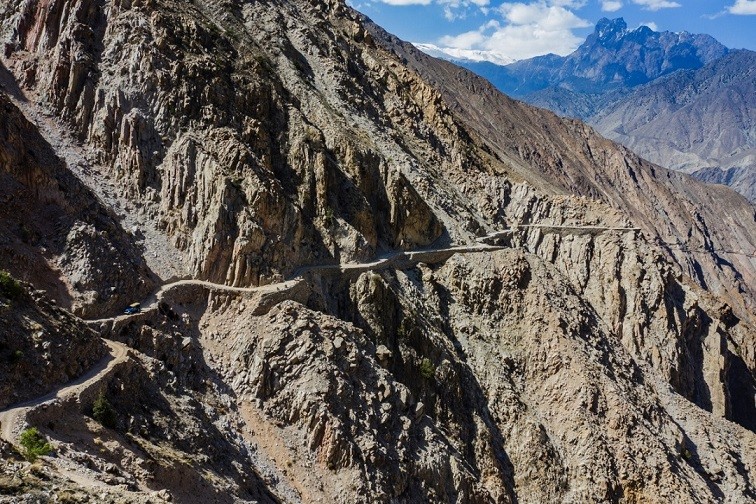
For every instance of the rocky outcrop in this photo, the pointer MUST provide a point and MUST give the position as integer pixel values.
(41, 345)
(348, 415)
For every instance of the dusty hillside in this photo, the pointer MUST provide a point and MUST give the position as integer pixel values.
(607, 356)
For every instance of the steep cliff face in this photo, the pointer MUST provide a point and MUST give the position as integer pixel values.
(202, 130)
(584, 361)
(55, 232)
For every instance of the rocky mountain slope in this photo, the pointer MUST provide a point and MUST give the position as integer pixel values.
(701, 122)
(38, 335)
(238, 142)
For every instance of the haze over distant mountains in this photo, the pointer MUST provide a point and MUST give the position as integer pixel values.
(681, 100)
(698, 121)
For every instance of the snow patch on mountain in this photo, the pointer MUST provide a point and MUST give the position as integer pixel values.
(464, 55)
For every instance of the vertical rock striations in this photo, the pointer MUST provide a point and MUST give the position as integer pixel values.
(576, 364)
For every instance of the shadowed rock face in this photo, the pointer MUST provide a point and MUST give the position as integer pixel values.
(261, 137)
(56, 233)
(41, 346)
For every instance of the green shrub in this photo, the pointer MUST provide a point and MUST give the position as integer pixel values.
(103, 412)
(328, 217)
(34, 444)
(16, 357)
(9, 286)
(427, 369)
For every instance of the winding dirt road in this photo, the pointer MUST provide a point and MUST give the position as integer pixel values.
(403, 257)
(12, 418)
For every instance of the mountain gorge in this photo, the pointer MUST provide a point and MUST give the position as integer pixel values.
(369, 276)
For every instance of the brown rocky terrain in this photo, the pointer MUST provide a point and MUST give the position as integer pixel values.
(37, 335)
(608, 356)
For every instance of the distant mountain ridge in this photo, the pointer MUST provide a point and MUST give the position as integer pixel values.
(698, 121)
(681, 100)
(611, 59)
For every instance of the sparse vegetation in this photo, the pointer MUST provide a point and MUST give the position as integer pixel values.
(427, 369)
(328, 217)
(103, 412)
(34, 444)
(16, 357)
(9, 286)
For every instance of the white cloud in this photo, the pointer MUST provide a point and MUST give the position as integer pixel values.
(610, 6)
(468, 40)
(743, 7)
(407, 2)
(650, 24)
(453, 54)
(655, 5)
(453, 9)
(525, 30)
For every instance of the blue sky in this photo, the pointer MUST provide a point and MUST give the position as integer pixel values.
(531, 27)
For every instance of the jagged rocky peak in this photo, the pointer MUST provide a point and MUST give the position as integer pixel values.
(483, 302)
(612, 59)
(612, 33)
(609, 30)
(637, 56)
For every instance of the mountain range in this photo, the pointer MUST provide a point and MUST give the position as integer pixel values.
(683, 101)
(699, 121)
(268, 252)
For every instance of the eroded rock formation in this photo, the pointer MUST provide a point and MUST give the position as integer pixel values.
(264, 137)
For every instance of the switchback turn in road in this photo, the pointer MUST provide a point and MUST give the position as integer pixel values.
(11, 418)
